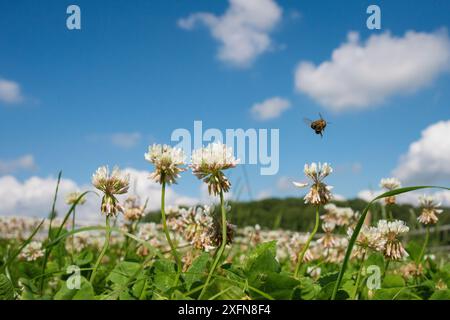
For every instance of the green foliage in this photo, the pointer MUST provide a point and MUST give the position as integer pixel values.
(6, 288)
(85, 292)
(197, 270)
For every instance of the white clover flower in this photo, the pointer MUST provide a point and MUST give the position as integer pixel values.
(32, 251)
(168, 163)
(368, 238)
(319, 192)
(391, 230)
(328, 240)
(430, 210)
(339, 216)
(390, 184)
(296, 245)
(110, 184)
(72, 197)
(132, 210)
(209, 162)
(314, 272)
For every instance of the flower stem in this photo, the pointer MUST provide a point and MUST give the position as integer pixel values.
(386, 266)
(73, 236)
(358, 277)
(166, 232)
(306, 246)
(102, 253)
(222, 246)
(425, 244)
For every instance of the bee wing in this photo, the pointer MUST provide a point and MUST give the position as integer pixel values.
(320, 115)
(307, 121)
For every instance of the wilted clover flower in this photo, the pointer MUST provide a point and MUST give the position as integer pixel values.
(391, 230)
(72, 198)
(319, 192)
(208, 164)
(168, 163)
(390, 184)
(215, 233)
(32, 251)
(110, 184)
(328, 240)
(430, 210)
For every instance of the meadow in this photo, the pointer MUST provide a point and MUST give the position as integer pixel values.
(197, 253)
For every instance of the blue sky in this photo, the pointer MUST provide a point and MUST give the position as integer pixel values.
(132, 69)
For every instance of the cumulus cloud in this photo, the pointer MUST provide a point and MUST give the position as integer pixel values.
(10, 91)
(243, 31)
(124, 140)
(34, 196)
(427, 159)
(285, 184)
(363, 74)
(25, 162)
(270, 108)
(264, 194)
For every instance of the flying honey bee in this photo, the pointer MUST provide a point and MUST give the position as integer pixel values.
(317, 125)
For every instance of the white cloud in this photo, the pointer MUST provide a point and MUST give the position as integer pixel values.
(10, 91)
(264, 194)
(339, 197)
(242, 31)
(25, 162)
(285, 184)
(428, 159)
(360, 75)
(270, 108)
(34, 196)
(368, 195)
(125, 140)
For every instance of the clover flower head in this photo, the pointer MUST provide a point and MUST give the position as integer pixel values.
(132, 210)
(390, 183)
(314, 272)
(208, 164)
(319, 193)
(296, 244)
(368, 238)
(391, 230)
(32, 251)
(430, 210)
(339, 216)
(168, 163)
(111, 184)
(72, 198)
(328, 240)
